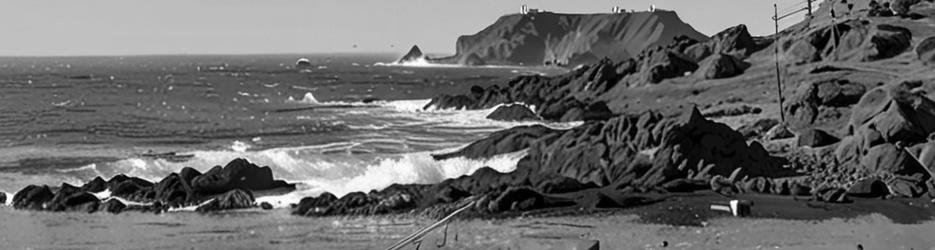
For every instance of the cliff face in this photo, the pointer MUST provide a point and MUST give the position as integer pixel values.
(569, 39)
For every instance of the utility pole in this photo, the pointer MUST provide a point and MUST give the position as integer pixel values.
(782, 113)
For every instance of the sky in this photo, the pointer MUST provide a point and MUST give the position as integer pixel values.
(143, 27)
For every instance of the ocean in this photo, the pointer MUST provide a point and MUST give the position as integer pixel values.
(350, 122)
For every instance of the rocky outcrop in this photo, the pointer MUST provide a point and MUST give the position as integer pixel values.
(735, 41)
(587, 161)
(229, 187)
(239, 173)
(547, 94)
(568, 39)
(852, 40)
(514, 112)
(812, 100)
(414, 54)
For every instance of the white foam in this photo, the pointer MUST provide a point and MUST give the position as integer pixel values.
(9, 199)
(308, 98)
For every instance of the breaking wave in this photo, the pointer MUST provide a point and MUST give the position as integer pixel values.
(317, 169)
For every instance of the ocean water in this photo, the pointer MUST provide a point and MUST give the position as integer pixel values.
(350, 122)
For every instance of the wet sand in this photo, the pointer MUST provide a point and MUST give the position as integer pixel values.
(623, 229)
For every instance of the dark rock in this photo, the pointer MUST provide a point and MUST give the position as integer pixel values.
(32, 197)
(868, 188)
(238, 174)
(188, 174)
(234, 199)
(2, 198)
(513, 112)
(314, 205)
(816, 138)
(559, 185)
(125, 189)
(174, 191)
(926, 50)
(113, 206)
(449, 194)
(74, 201)
(501, 142)
(686, 185)
(266, 206)
(96, 185)
(116, 180)
(517, 199)
(758, 128)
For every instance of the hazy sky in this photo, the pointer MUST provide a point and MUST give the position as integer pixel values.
(126, 27)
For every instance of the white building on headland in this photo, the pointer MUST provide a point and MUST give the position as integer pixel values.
(527, 11)
(616, 10)
(652, 8)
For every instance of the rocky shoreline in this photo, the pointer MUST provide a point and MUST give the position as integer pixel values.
(848, 145)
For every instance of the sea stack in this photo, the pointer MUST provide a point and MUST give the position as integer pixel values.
(414, 54)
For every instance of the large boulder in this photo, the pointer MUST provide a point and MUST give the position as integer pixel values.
(238, 174)
(513, 112)
(721, 66)
(32, 197)
(898, 113)
(811, 99)
(234, 199)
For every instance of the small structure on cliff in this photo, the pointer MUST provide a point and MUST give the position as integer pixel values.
(527, 11)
